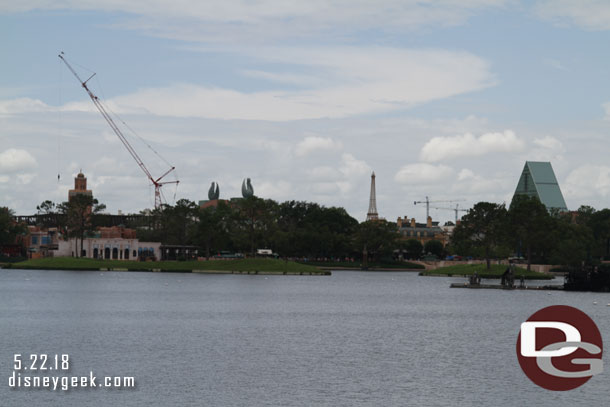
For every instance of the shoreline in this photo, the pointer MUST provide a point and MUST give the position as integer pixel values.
(158, 270)
(370, 269)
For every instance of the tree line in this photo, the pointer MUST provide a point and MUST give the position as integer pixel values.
(291, 229)
(308, 230)
(528, 230)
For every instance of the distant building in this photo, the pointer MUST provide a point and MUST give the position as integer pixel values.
(80, 187)
(538, 180)
(110, 248)
(423, 232)
(40, 242)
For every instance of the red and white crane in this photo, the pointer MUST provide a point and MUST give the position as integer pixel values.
(96, 101)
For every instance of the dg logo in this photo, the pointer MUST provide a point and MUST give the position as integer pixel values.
(560, 348)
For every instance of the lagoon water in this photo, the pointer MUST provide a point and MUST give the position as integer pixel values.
(351, 339)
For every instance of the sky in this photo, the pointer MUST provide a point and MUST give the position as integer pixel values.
(442, 99)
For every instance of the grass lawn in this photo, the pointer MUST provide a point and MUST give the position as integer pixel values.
(496, 271)
(70, 263)
(373, 265)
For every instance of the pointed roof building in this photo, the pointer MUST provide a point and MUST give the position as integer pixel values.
(538, 179)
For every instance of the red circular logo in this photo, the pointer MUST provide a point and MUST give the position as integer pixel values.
(560, 348)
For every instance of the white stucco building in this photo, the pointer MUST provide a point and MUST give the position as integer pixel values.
(109, 248)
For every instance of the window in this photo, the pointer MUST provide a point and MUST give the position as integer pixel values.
(45, 240)
(34, 239)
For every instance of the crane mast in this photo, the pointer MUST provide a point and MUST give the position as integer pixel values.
(98, 104)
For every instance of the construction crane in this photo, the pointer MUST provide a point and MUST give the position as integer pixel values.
(428, 202)
(96, 101)
(456, 210)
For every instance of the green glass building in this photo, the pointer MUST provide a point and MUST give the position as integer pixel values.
(538, 179)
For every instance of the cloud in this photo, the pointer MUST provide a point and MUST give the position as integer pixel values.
(470, 183)
(22, 105)
(278, 190)
(324, 173)
(315, 144)
(606, 107)
(341, 82)
(465, 174)
(588, 181)
(422, 173)
(549, 142)
(350, 166)
(267, 20)
(591, 15)
(14, 160)
(468, 145)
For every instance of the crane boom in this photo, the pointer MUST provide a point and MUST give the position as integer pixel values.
(456, 210)
(428, 202)
(98, 104)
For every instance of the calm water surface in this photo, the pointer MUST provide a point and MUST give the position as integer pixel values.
(351, 339)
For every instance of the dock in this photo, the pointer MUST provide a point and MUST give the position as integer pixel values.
(505, 287)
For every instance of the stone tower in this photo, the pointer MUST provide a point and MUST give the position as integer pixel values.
(372, 213)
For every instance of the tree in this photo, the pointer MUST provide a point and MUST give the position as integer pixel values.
(376, 238)
(434, 247)
(599, 223)
(213, 228)
(571, 243)
(48, 215)
(530, 225)
(481, 228)
(414, 248)
(9, 228)
(80, 216)
(254, 222)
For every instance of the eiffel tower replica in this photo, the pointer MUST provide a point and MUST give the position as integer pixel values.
(372, 213)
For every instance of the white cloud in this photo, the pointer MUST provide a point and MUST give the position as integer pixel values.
(14, 160)
(340, 82)
(469, 183)
(331, 188)
(351, 166)
(315, 144)
(21, 105)
(324, 173)
(606, 107)
(465, 174)
(549, 142)
(468, 145)
(25, 178)
(587, 14)
(421, 173)
(546, 148)
(588, 181)
(278, 190)
(262, 21)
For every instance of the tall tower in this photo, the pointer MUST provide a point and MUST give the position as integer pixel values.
(80, 186)
(372, 213)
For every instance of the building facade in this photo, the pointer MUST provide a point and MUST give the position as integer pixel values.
(110, 248)
(423, 232)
